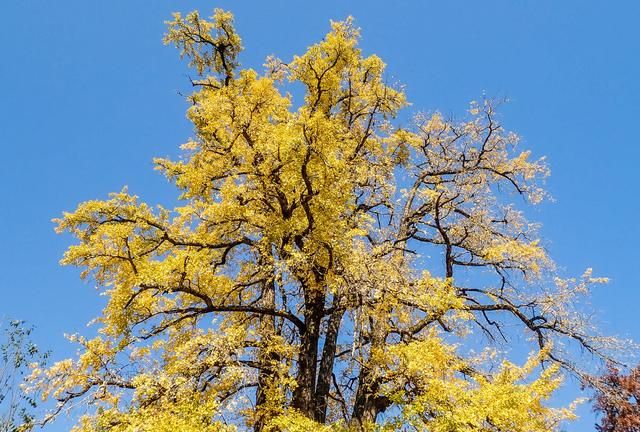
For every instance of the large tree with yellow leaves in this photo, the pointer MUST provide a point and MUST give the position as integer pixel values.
(329, 267)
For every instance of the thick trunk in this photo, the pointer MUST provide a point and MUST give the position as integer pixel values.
(364, 412)
(368, 403)
(326, 364)
(303, 395)
(266, 358)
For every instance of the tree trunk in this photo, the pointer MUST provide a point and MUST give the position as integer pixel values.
(326, 364)
(368, 403)
(303, 395)
(266, 358)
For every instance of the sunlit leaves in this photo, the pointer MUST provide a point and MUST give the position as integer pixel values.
(328, 266)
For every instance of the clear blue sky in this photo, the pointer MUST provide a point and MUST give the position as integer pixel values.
(89, 95)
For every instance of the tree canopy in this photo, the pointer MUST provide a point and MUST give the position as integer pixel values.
(329, 266)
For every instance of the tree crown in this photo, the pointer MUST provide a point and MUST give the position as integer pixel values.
(328, 267)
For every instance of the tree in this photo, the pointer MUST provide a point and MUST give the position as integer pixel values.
(617, 399)
(329, 267)
(17, 351)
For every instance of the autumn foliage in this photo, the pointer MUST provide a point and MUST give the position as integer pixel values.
(618, 401)
(329, 268)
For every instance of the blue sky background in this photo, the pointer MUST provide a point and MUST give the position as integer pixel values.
(88, 95)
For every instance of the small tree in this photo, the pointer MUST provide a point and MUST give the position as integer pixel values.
(17, 352)
(617, 400)
(329, 268)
